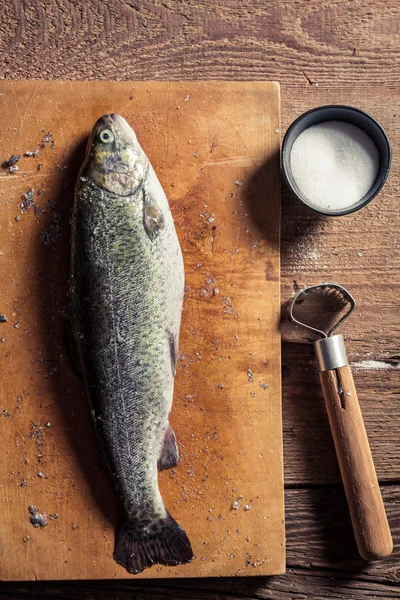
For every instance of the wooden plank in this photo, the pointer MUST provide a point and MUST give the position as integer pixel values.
(216, 150)
(322, 562)
(215, 39)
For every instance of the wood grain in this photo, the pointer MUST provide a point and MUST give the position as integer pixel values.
(322, 51)
(216, 154)
(149, 39)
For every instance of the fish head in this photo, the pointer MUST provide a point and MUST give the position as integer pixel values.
(114, 158)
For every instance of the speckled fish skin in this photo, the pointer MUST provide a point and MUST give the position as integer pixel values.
(126, 295)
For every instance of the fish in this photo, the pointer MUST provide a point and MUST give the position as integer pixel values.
(125, 303)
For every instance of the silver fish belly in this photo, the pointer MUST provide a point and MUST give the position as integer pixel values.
(125, 308)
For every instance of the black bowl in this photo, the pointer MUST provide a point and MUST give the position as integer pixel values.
(349, 114)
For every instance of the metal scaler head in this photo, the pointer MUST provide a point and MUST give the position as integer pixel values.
(330, 349)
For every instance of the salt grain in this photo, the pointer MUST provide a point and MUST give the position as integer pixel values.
(334, 164)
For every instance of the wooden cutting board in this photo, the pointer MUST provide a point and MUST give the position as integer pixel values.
(215, 148)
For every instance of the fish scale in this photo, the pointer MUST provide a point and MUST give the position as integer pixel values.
(124, 284)
(125, 311)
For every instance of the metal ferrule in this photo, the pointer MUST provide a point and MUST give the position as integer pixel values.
(331, 353)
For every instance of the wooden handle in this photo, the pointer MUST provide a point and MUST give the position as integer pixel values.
(367, 511)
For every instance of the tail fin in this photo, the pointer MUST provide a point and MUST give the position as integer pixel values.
(163, 542)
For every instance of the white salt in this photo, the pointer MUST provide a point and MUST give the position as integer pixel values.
(334, 164)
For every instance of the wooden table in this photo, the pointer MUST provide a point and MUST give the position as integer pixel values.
(321, 52)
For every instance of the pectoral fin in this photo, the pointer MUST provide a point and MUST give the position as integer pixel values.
(169, 455)
(153, 217)
(173, 348)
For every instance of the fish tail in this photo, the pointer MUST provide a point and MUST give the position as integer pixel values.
(163, 542)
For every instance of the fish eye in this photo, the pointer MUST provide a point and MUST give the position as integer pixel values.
(106, 136)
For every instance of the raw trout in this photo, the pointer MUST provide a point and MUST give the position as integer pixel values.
(126, 295)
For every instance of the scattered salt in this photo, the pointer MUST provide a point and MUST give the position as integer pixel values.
(371, 365)
(334, 164)
(236, 504)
